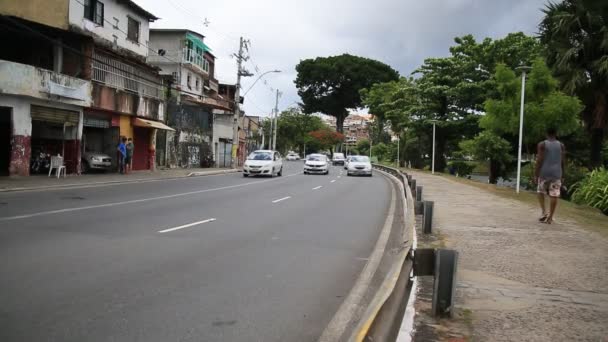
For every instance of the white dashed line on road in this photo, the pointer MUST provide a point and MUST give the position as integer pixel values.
(186, 225)
(333, 180)
(317, 187)
(281, 199)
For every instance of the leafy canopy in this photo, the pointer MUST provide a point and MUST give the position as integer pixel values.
(331, 85)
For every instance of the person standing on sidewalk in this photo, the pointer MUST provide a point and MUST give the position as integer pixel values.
(129, 157)
(549, 173)
(122, 154)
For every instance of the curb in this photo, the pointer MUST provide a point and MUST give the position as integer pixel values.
(137, 180)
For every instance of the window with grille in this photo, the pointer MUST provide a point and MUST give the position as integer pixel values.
(133, 30)
(93, 10)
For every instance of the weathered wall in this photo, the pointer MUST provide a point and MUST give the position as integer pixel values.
(21, 79)
(114, 100)
(112, 10)
(126, 129)
(48, 12)
(191, 142)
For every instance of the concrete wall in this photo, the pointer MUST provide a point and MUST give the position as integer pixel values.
(48, 12)
(116, 14)
(26, 80)
(115, 100)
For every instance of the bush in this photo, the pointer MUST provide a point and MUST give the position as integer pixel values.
(574, 173)
(461, 168)
(593, 190)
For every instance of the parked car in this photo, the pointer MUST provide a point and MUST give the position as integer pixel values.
(292, 156)
(360, 166)
(96, 161)
(339, 159)
(263, 163)
(316, 163)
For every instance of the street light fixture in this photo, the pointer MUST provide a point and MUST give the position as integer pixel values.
(523, 69)
(257, 79)
(434, 122)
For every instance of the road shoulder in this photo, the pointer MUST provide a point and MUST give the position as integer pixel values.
(518, 279)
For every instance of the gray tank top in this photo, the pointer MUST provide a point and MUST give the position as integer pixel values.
(552, 163)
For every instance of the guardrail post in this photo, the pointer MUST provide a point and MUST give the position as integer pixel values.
(419, 193)
(413, 188)
(446, 261)
(418, 208)
(427, 225)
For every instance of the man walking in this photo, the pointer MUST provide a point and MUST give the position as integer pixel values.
(129, 158)
(122, 154)
(549, 172)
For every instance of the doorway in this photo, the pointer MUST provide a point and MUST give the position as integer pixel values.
(5, 140)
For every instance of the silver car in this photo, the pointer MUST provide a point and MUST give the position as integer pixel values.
(96, 161)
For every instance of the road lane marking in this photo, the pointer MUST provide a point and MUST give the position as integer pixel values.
(281, 199)
(317, 187)
(141, 200)
(186, 225)
(339, 176)
(333, 180)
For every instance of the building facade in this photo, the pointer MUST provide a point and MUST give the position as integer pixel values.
(185, 60)
(74, 80)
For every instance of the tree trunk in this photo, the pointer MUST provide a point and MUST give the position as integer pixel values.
(340, 123)
(597, 140)
(494, 171)
(440, 143)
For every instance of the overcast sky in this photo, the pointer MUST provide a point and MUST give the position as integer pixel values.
(401, 33)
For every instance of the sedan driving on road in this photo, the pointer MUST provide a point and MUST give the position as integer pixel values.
(338, 159)
(316, 163)
(360, 166)
(263, 163)
(292, 156)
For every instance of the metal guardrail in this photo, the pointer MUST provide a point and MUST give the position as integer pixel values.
(382, 319)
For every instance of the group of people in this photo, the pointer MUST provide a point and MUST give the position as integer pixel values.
(125, 155)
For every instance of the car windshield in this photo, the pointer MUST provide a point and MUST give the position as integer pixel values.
(338, 155)
(315, 158)
(360, 159)
(260, 156)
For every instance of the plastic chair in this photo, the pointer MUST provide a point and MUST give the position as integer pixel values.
(57, 163)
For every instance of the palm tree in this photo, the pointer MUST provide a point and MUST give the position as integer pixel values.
(575, 34)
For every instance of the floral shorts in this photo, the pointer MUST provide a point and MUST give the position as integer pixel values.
(549, 187)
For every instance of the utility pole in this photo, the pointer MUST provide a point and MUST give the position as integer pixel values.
(241, 72)
(276, 115)
(271, 130)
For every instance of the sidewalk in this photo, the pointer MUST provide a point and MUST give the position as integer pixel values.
(518, 279)
(44, 182)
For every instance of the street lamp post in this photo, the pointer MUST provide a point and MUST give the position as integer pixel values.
(434, 122)
(521, 122)
(259, 77)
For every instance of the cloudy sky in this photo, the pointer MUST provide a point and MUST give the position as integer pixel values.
(400, 33)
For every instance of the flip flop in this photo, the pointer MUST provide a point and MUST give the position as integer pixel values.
(544, 218)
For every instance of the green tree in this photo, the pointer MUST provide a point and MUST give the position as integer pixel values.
(489, 146)
(331, 85)
(363, 147)
(293, 128)
(544, 106)
(575, 35)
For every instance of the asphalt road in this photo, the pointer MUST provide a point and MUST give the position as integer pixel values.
(264, 259)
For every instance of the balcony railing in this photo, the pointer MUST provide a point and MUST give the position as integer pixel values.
(119, 75)
(190, 56)
(28, 80)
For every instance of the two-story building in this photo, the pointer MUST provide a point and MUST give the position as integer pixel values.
(127, 95)
(74, 78)
(44, 86)
(185, 59)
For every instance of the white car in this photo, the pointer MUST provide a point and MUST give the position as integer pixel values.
(346, 162)
(263, 163)
(292, 156)
(360, 166)
(316, 163)
(339, 159)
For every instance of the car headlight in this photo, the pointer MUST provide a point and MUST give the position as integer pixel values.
(97, 159)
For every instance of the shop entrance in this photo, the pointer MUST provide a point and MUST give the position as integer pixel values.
(54, 132)
(98, 137)
(5, 140)
(141, 152)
